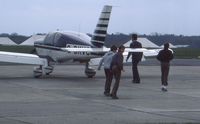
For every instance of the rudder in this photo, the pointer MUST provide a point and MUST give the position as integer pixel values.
(99, 35)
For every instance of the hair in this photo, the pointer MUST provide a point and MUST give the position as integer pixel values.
(113, 48)
(166, 45)
(134, 36)
(121, 47)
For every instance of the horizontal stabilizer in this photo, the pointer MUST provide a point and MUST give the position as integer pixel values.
(104, 49)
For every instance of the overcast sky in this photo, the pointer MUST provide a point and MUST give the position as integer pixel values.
(28, 17)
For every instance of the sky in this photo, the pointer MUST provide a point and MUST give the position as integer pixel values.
(28, 17)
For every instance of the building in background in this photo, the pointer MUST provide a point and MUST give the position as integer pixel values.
(32, 39)
(6, 41)
(145, 43)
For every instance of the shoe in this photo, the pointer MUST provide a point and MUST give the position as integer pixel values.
(164, 89)
(106, 94)
(115, 97)
(135, 82)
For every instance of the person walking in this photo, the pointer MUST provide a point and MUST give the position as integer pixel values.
(117, 67)
(165, 56)
(136, 58)
(106, 60)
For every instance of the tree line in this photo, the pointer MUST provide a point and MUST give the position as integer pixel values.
(158, 39)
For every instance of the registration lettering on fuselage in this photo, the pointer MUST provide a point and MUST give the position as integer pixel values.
(78, 46)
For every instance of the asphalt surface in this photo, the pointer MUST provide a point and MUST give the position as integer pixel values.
(68, 97)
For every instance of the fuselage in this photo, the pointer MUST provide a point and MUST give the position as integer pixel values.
(50, 47)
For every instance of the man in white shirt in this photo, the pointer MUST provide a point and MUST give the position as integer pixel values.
(107, 59)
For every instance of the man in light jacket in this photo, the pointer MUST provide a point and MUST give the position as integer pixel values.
(106, 60)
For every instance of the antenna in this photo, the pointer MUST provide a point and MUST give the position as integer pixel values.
(79, 28)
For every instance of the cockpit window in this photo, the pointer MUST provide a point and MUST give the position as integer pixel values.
(49, 40)
(57, 37)
(61, 42)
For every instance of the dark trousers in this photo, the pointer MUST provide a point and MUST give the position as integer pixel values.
(109, 77)
(117, 76)
(164, 73)
(136, 76)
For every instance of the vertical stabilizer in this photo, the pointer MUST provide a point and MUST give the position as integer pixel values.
(99, 35)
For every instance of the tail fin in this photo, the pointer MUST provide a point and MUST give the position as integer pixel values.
(98, 38)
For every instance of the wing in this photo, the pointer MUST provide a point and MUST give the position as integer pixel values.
(22, 58)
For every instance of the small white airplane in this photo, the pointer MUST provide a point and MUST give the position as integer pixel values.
(69, 47)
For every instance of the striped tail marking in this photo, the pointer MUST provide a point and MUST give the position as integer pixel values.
(99, 35)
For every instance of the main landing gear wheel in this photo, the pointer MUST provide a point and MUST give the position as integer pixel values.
(48, 70)
(37, 72)
(89, 72)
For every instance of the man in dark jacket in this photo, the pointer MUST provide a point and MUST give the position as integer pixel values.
(165, 56)
(117, 67)
(136, 58)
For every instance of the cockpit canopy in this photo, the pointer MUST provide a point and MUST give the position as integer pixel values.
(61, 39)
